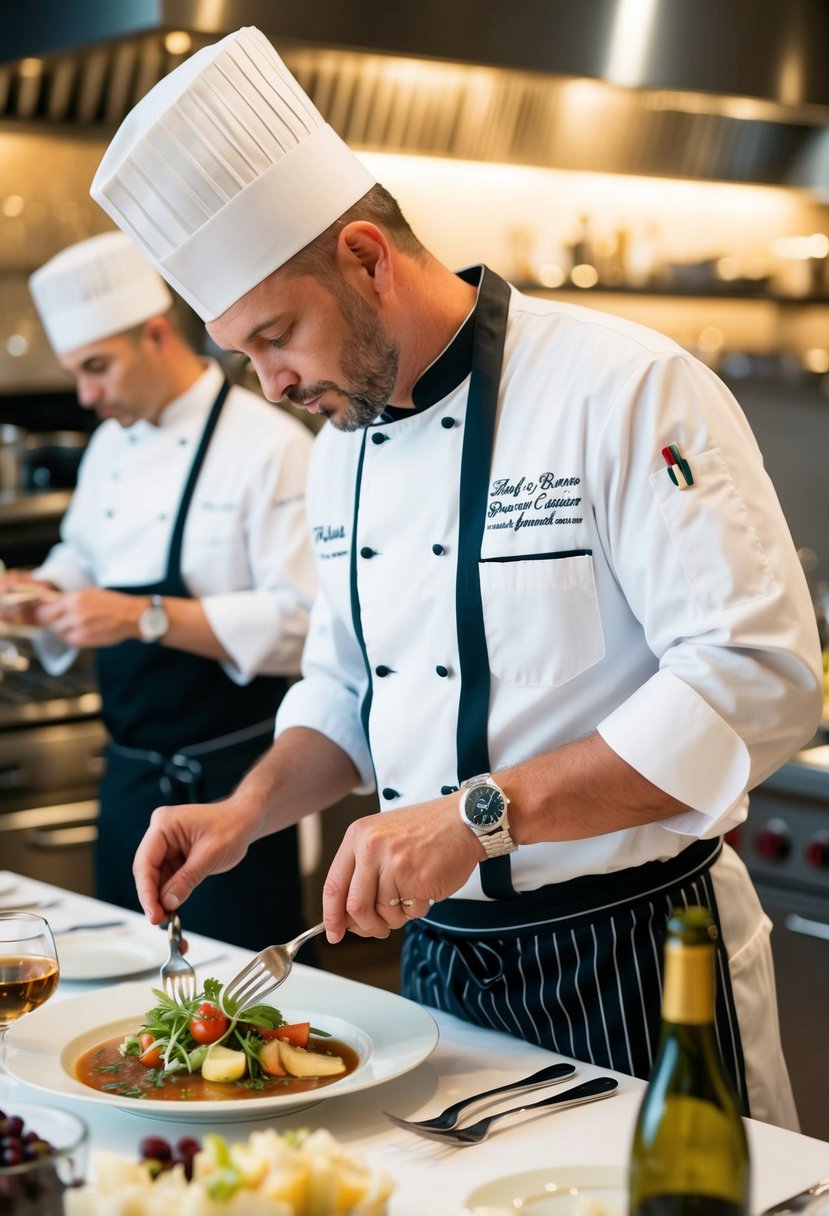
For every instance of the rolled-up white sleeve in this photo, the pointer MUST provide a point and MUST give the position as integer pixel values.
(69, 564)
(263, 627)
(712, 575)
(329, 696)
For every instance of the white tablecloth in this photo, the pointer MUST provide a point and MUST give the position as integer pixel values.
(467, 1059)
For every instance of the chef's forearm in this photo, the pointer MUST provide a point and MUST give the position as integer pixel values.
(189, 628)
(579, 790)
(303, 772)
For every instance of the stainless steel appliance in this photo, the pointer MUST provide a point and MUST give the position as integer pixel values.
(51, 757)
(785, 845)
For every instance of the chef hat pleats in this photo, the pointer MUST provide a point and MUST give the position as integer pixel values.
(97, 288)
(225, 170)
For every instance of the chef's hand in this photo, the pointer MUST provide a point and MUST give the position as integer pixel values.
(391, 865)
(14, 586)
(92, 616)
(182, 846)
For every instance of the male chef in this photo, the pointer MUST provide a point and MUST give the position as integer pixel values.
(184, 562)
(562, 627)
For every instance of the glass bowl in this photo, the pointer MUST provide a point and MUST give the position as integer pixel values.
(34, 1186)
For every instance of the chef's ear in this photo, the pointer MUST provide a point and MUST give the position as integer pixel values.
(365, 244)
(157, 331)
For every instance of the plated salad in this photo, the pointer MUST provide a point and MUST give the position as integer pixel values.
(203, 1049)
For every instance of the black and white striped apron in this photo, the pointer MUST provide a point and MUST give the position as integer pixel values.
(575, 967)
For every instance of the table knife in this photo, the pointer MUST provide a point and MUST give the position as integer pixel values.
(796, 1203)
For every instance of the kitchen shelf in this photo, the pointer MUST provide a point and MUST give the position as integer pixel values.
(682, 293)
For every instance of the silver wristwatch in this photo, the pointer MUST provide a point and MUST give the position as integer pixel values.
(153, 622)
(483, 808)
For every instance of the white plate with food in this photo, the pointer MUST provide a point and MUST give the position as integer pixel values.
(384, 1036)
(562, 1190)
(101, 954)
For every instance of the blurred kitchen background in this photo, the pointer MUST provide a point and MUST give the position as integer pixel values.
(660, 159)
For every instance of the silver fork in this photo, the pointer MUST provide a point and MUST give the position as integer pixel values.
(588, 1091)
(270, 968)
(449, 1117)
(178, 977)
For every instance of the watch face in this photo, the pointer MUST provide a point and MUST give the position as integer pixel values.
(153, 624)
(487, 808)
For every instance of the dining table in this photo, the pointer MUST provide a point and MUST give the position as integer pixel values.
(428, 1176)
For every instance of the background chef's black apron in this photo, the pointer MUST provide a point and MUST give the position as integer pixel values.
(182, 731)
(575, 967)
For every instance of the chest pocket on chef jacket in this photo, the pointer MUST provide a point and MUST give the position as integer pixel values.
(717, 544)
(541, 617)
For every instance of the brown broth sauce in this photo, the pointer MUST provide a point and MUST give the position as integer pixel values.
(104, 1068)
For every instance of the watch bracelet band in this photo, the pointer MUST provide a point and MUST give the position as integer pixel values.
(497, 844)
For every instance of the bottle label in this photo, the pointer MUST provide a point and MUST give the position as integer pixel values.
(688, 995)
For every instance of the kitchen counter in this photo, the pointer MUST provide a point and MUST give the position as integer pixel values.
(467, 1059)
(17, 506)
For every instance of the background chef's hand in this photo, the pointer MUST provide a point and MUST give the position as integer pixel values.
(22, 612)
(182, 846)
(92, 616)
(419, 853)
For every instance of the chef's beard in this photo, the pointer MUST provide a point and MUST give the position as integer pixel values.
(370, 361)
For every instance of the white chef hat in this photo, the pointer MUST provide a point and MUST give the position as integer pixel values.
(225, 170)
(95, 289)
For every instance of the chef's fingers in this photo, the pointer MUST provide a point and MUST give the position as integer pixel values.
(181, 846)
(351, 889)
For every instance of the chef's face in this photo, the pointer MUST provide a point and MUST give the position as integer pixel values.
(318, 345)
(116, 378)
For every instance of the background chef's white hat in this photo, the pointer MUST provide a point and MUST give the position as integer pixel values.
(225, 170)
(95, 289)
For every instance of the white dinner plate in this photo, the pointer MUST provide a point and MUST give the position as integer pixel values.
(100, 955)
(514, 1192)
(7, 885)
(391, 1035)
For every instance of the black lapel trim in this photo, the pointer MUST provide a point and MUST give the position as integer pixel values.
(365, 708)
(479, 430)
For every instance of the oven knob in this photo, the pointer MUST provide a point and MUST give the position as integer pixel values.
(773, 841)
(817, 851)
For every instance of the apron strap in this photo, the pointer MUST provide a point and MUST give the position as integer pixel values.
(476, 459)
(174, 553)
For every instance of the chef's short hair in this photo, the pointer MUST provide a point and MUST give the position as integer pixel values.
(379, 207)
(181, 319)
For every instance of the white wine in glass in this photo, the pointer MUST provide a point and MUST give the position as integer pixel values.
(29, 970)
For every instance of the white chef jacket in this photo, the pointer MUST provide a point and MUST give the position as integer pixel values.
(676, 623)
(245, 552)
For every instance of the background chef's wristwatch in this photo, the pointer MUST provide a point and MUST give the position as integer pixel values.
(153, 622)
(483, 808)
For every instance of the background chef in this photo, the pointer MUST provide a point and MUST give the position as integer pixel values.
(184, 561)
(514, 579)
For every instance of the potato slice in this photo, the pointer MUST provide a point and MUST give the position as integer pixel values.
(271, 1060)
(222, 1064)
(301, 1063)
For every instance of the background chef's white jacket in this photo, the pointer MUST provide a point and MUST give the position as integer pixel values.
(245, 548)
(677, 623)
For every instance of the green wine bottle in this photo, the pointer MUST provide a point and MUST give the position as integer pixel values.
(690, 1154)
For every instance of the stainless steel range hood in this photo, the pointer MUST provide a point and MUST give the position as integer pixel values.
(722, 89)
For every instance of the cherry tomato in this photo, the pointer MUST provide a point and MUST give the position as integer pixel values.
(150, 1056)
(295, 1033)
(209, 1023)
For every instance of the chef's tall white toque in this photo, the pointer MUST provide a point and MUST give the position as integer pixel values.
(225, 170)
(97, 288)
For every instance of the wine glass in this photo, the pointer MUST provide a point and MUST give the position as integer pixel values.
(29, 969)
